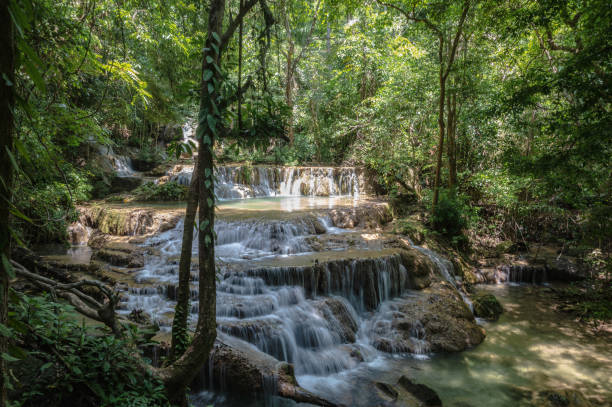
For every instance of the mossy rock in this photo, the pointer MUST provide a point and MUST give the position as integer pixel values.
(487, 306)
(504, 247)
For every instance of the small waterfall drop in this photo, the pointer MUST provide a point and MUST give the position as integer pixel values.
(240, 182)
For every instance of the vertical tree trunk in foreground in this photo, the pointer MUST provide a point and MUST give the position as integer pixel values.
(181, 312)
(451, 105)
(7, 102)
(177, 376)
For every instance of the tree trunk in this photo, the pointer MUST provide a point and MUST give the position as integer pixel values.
(441, 127)
(240, 74)
(181, 312)
(289, 91)
(7, 102)
(177, 376)
(451, 132)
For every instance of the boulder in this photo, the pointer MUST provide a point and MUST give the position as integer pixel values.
(127, 221)
(420, 268)
(120, 254)
(486, 306)
(369, 216)
(337, 313)
(241, 369)
(78, 234)
(437, 320)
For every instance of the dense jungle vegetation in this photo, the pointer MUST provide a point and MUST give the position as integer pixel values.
(491, 118)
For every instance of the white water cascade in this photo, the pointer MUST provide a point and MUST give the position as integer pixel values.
(239, 182)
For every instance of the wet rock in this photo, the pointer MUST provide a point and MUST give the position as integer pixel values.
(97, 240)
(236, 367)
(318, 227)
(387, 391)
(78, 234)
(158, 171)
(420, 268)
(122, 257)
(364, 281)
(127, 221)
(437, 320)
(486, 306)
(420, 391)
(369, 216)
(337, 313)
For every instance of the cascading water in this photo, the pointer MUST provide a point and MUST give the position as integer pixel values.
(239, 182)
(322, 312)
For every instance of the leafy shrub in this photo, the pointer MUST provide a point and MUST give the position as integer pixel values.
(450, 216)
(170, 191)
(47, 208)
(62, 363)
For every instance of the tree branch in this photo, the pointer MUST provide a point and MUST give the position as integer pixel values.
(83, 303)
(412, 17)
(309, 37)
(235, 22)
(466, 8)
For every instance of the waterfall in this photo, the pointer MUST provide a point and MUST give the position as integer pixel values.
(447, 270)
(239, 182)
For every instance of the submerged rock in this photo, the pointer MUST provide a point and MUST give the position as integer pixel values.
(486, 306)
(422, 392)
(556, 398)
(406, 393)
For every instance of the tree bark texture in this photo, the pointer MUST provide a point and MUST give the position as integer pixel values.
(7, 103)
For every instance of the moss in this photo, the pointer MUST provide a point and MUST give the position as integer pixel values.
(487, 306)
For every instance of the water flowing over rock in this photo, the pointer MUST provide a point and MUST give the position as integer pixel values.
(312, 284)
(238, 182)
(436, 320)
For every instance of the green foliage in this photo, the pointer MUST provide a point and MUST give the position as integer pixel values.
(452, 214)
(50, 206)
(590, 300)
(74, 365)
(169, 191)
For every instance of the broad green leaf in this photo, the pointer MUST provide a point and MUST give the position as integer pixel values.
(8, 267)
(212, 122)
